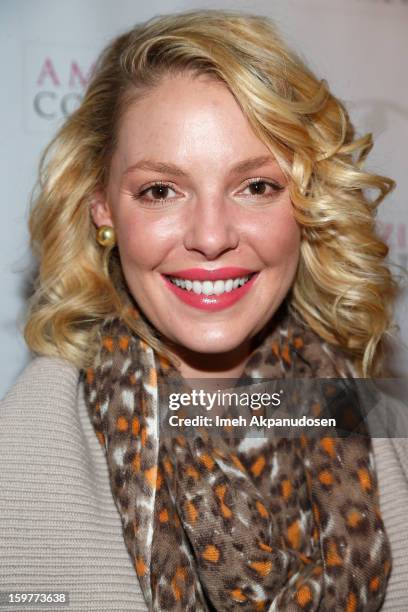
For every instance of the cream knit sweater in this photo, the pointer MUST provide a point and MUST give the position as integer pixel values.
(59, 527)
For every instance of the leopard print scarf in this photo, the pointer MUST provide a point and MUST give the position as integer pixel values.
(258, 524)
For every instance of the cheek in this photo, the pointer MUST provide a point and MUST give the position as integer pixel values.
(143, 242)
(278, 236)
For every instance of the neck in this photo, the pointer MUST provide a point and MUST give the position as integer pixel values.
(229, 364)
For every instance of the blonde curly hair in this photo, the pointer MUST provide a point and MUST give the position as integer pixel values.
(343, 288)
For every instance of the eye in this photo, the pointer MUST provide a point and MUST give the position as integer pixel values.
(159, 192)
(262, 188)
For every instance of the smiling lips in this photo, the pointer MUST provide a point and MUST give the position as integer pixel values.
(210, 289)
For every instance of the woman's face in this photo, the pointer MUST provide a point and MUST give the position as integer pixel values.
(198, 200)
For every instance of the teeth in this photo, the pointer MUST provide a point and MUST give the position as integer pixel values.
(197, 287)
(210, 287)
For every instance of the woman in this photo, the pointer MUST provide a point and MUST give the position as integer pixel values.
(201, 215)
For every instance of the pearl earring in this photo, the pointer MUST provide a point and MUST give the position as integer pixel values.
(106, 236)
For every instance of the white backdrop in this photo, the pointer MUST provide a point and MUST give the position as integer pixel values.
(47, 50)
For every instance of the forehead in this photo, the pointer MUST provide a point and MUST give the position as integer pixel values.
(187, 116)
(182, 101)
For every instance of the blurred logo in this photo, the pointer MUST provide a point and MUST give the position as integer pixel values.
(395, 235)
(55, 80)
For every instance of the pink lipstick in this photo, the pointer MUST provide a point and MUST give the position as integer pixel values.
(210, 290)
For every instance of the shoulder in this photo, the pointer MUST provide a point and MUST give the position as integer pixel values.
(391, 463)
(44, 378)
(39, 417)
(61, 525)
(387, 419)
(39, 412)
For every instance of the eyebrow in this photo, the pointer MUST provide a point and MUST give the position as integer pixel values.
(252, 163)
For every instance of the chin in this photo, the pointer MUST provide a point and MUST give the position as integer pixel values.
(211, 345)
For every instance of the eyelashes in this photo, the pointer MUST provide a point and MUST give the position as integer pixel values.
(276, 187)
(161, 190)
(158, 186)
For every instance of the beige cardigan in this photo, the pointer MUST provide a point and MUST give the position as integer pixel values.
(59, 527)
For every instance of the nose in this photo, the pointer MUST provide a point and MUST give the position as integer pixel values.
(212, 228)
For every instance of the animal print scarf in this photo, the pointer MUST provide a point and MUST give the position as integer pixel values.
(251, 524)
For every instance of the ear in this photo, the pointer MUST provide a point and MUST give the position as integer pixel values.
(99, 209)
